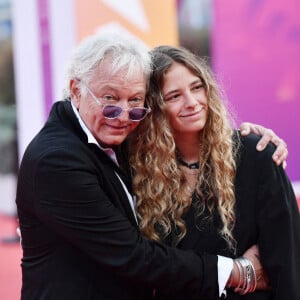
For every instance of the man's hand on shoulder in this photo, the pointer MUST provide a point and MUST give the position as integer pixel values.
(267, 135)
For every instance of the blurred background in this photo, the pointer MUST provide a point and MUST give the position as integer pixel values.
(252, 45)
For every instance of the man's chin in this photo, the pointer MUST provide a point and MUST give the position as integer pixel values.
(112, 142)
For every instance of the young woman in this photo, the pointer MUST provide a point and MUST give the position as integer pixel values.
(201, 185)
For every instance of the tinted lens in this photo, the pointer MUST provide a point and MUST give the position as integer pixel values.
(137, 114)
(111, 111)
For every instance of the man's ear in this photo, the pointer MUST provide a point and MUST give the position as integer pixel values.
(75, 92)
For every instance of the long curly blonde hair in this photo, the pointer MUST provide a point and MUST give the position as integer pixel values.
(159, 183)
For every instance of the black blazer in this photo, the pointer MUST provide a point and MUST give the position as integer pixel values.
(79, 236)
(266, 214)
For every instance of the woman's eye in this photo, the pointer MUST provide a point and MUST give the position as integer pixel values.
(199, 87)
(172, 98)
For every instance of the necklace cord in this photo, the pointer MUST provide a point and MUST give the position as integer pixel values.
(194, 165)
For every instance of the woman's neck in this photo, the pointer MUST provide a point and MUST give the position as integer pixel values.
(188, 148)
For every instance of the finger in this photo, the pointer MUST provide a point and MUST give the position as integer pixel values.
(248, 127)
(269, 136)
(281, 152)
(284, 164)
(260, 130)
(245, 128)
(264, 140)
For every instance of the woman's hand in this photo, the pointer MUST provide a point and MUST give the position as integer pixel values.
(248, 274)
(262, 279)
(268, 135)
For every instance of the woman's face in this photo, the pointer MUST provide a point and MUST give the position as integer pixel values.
(186, 101)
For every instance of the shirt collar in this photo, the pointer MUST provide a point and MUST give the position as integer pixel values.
(91, 139)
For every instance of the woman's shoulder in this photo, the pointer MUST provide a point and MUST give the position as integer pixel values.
(247, 145)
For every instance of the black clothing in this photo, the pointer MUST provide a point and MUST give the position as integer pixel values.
(266, 214)
(79, 235)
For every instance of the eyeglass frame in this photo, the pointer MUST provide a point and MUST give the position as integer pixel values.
(98, 101)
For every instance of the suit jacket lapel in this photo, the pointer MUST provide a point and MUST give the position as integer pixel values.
(110, 169)
(105, 163)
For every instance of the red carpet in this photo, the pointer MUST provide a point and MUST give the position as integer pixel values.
(10, 258)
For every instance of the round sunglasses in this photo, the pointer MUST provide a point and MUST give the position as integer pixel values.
(109, 111)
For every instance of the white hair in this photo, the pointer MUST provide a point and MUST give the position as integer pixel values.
(123, 51)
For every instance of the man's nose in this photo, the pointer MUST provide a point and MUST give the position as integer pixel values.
(124, 115)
